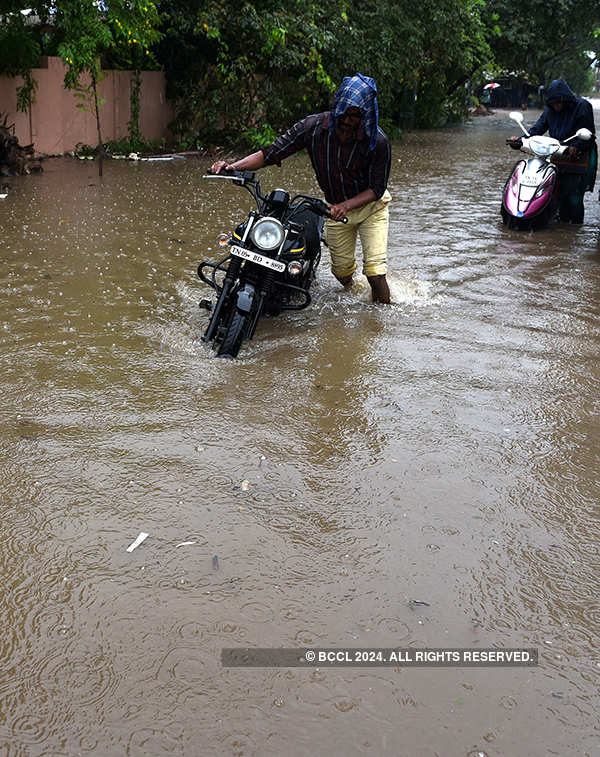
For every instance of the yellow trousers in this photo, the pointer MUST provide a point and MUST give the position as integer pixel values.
(371, 223)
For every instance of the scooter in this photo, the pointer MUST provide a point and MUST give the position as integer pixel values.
(529, 195)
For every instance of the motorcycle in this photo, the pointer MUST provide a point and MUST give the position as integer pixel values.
(529, 197)
(271, 261)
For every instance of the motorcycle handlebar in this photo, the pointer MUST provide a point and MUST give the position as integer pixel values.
(231, 174)
(339, 220)
(323, 209)
(317, 205)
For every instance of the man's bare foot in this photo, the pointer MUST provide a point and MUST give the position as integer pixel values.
(345, 281)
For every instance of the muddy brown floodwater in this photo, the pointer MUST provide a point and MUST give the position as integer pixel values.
(444, 449)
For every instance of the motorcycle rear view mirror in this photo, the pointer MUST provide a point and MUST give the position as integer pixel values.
(517, 116)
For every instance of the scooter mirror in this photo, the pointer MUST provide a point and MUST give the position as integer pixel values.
(517, 116)
(583, 134)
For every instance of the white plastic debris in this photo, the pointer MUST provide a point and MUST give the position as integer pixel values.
(157, 158)
(142, 536)
(185, 543)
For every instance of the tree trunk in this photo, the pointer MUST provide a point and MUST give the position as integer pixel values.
(100, 148)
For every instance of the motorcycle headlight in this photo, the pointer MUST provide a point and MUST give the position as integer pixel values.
(267, 233)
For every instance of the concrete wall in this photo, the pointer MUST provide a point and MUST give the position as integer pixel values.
(56, 125)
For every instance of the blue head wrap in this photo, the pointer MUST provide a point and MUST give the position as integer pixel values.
(358, 92)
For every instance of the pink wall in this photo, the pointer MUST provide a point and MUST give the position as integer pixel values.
(56, 125)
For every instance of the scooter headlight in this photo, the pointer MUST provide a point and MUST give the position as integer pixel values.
(267, 233)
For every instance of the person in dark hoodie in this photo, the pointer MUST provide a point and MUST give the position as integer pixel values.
(351, 157)
(563, 115)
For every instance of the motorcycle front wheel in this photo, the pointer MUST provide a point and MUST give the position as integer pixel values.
(234, 336)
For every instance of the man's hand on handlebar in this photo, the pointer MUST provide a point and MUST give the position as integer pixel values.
(220, 165)
(339, 211)
(515, 142)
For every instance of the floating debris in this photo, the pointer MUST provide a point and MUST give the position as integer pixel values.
(412, 603)
(185, 543)
(142, 536)
(158, 158)
(215, 562)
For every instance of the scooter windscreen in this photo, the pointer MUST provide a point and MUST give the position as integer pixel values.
(543, 146)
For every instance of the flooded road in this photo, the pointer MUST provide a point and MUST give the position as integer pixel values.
(354, 459)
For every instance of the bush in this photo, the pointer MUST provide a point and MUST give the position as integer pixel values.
(126, 145)
(257, 138)
(392, 130)
(84, 150)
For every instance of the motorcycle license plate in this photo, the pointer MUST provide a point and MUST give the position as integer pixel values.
(254, 257)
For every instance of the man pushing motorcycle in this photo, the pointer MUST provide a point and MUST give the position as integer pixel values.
(351, 157)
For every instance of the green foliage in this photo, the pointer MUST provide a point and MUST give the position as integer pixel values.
(259, 137)
(127, 146)
(230, 66)
(587, 86)
(392, 129)
(19, 52)
(420, 56)
(26, 91)
(85, 151)
(545, 41)
(124, 28)
(243, 70)
(121, 31)
(85, 36)
(134, 103)
(19, 49)
(134, 25)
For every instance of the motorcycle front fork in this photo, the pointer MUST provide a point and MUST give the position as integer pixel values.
(267, 285)
(230, 277)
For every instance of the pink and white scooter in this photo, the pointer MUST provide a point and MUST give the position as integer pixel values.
(529, 195)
